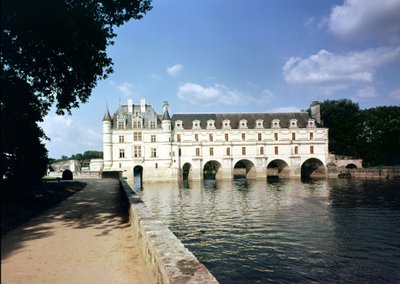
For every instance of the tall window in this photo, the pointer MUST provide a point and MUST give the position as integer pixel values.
(211, 151)
(122, 153)
(137, 124)
(243, 150)
(276, 136)
(228, 151)
(293, 136)
(276, 150)
(262, 151)
(243, 136)
(137, 151)
(311, 136)
(121, 124)
(152, 124)
(121, 139)
(211, 137)
(226, 137)
(137, 136)
(178, 138)
(153, 152)
(196, 137)
(197, 152)
(259, 136)
(153, 138)
(296, 150)
(311, 149)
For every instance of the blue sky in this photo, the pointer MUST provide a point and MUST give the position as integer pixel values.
(243, 56)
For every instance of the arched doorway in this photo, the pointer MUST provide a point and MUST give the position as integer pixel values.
(244, 169)
(211, 170)
(186, 171)
(313, 168)
(138, 178)
(278, 168)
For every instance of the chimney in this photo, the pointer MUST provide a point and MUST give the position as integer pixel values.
(130, 106)
(316, 111)
(142, 105)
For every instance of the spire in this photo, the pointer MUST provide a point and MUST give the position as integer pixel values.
(165, 115)
(107, 116)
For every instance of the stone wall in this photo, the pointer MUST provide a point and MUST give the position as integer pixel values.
(388, 173)
(164, 253)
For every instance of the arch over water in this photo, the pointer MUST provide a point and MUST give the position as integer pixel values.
(212, 170)
(313, 167)
(186, 171)
(278, 168)
(244, 169)
(351, 166)
(138, 177)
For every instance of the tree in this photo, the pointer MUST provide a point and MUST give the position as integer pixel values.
(54, 52)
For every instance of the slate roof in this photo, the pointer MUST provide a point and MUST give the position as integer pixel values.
(284, 118)
(148, 115)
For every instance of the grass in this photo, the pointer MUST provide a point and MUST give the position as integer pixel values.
(20, 204)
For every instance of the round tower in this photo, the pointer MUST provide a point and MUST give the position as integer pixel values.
(107, 140)
(166, 119)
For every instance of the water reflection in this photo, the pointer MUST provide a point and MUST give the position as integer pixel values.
(248, 231)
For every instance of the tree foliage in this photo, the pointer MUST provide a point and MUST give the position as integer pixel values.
(53, 52)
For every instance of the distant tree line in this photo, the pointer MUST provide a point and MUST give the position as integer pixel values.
(371, 134)
(85, 157)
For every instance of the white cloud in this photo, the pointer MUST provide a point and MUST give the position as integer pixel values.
(126, 89)
(174, 70)
(329, 69)
(395, 95)
(285, 109)
(69, 138)
(365, 94)
(366, 19)
(219, 95)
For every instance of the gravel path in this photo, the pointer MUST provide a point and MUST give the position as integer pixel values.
(84, 239)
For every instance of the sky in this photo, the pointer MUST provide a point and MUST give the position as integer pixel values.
(242, 56)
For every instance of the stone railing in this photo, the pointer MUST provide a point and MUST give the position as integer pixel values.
(168, 259)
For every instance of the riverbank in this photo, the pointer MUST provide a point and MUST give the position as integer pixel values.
(365, 173)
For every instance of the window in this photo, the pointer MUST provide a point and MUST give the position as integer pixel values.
(311, 136)
(178, 138)
(153, 152)
(121, 139)
(197, 152)
(153, 138)
(276, 150)
(259, 136)
(137, 151)
(296, 150)
(156, 165)
(137, 136)
(243, 136)
(226, 137)
(243, 150)
(152, 125)
(261, 150)
(293, 136)
(180, 152)
(196, 137)
(311, 149)
(211, 151)
(276, 136)
(121, 125)
(137, 124)
(228, 151)
(211, 137)
(122, 153)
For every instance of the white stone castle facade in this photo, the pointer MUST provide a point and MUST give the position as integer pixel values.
(257, 145)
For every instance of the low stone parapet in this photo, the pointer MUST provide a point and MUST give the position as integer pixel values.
(168, 259)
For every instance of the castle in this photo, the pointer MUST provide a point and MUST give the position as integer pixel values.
(158, 147)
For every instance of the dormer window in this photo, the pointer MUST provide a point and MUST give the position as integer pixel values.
(153, 124)
(243, 123)
(137, 123)
(178, 124)
(293, 123)
(311, 123)
(226, 124)
(275, 123)
(196, 124)
(259, 123)
(210, 124)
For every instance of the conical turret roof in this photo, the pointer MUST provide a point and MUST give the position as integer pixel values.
(107, 116)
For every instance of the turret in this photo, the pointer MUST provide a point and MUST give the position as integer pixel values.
(315, 111)
(166, 119)
(107, 140)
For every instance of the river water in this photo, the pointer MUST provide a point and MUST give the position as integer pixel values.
(333, 230)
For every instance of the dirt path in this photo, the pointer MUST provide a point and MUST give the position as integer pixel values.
(85, 239)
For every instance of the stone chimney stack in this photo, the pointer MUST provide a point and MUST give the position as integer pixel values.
(316, 111)
(130, 106)
(142, 105)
